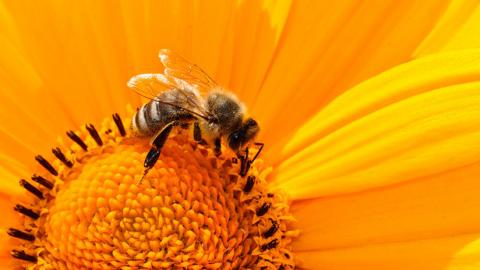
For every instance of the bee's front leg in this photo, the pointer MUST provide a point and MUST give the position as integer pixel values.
(157, 144)
(197, 134)
(218, 146)
(244, 163)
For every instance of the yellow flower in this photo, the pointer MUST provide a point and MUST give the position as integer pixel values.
(380, 161)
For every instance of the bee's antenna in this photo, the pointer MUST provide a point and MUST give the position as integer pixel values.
(259, 150)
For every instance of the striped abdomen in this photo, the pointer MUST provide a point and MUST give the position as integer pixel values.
(154, 115)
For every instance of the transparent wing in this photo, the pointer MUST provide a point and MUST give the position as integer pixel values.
(152, 85)
(177, 67)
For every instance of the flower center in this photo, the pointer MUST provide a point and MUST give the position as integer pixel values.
(192, 211)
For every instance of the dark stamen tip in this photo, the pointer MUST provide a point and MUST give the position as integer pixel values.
(46, 164)
(20, 234)
(77, 140)
(58, 154)
(42, 181)
(271, 231)
(262, 210)
(94, 133)
(20, 254)
(119, 123)
(29, 187)
(249, 184)
(270, 245)
(26, 211)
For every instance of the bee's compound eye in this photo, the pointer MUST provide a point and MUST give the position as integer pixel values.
(251, 123)
(234, 140)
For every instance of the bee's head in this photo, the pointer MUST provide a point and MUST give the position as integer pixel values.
(242, 136)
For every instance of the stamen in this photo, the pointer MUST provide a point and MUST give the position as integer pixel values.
(77, 140)
(155, 221)
(46, 165)
(249, 184)
(21, 235)
(42, 181)
(58, 153)
(93, 132)
(119, 123)
(263, 209)
(273, 229)
(270, 245)
(26, 211)
(31, 188)
(20, 254)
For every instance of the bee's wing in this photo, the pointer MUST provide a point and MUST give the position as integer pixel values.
(177, 67)
(151, 85)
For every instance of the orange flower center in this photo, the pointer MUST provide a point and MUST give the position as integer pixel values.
(192, 211)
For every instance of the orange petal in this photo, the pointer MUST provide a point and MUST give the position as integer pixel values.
(431, 222)
(327, 47)
(79, 73)
(457, 29)
(449, 253)
(418, 119)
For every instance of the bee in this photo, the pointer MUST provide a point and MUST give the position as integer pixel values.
(183, 95)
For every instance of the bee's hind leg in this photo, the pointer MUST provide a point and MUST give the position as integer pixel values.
(157, 144)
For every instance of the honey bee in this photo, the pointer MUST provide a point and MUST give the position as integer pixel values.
(185, 94)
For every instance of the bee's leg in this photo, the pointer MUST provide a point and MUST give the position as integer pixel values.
(218, 146)
(197, 133)
(157, 144)
(244, 164)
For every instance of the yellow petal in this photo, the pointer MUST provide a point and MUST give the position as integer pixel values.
(80, 68)
(457, 29)
(418, 119)
(431, 222)
(327, 47)
(449, 253)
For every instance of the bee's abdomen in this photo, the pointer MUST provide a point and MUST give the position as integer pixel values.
(148, 119)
